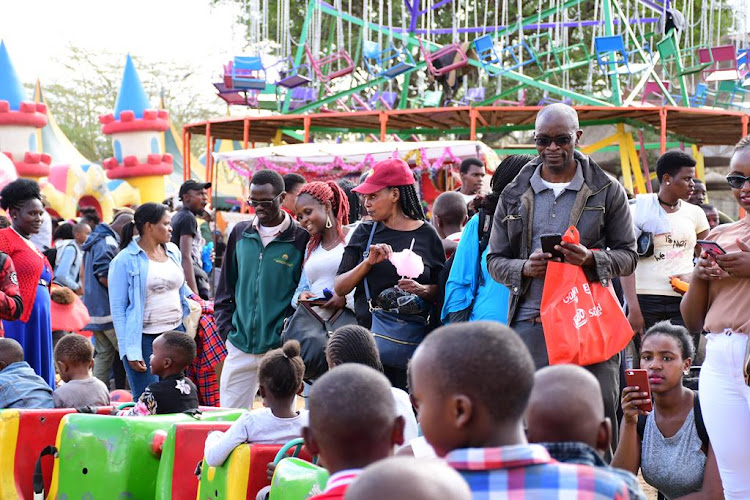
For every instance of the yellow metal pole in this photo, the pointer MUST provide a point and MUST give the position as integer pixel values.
(635, 163)
(627, 178)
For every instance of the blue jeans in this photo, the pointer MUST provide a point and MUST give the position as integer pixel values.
(140, 380)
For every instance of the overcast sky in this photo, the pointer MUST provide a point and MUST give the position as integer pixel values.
(38, 32)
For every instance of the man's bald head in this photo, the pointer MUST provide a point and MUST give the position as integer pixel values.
(10, 352)
(566, 405)
(559, 113)
(404, 478)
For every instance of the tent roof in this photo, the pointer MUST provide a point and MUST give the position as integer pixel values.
(699, 126)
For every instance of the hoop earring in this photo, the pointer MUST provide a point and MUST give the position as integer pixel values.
(329, 224)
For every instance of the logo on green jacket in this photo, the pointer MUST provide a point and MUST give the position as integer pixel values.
(284, 261)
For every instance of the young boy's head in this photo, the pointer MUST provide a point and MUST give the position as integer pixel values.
(470, 383)
(566, 405)
(404, 478)
(281, 372)
(74, 356)
(449, 213)
(712, 214)
(173, 352)
(10, 352)
(353, 418)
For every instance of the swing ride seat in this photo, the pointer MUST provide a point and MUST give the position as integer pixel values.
(653, 89)
(248, 73)
(699, 98)
(301, 96)
(459, 58)
(321, 67)
(722, 63)
(669, 52)
(620, 63)
(236, 97)
(743, 62)
(506, 102)
(389, 62)
(733, 90)
(429, 99)
(388, 99)
(295, 77)
(473, 95)
(484, 46)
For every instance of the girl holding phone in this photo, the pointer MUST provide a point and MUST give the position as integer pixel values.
(717, 303)
(666, 444)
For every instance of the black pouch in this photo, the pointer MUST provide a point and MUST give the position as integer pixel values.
(645, 244)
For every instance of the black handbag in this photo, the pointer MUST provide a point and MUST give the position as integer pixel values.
(312, 332)
(396, 335)
(645, 245)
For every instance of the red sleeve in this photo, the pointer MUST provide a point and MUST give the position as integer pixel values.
(11, 305)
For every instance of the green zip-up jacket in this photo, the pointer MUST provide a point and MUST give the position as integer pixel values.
(256, 286)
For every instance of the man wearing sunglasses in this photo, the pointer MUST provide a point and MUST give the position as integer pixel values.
(559, 188)
(261, 269)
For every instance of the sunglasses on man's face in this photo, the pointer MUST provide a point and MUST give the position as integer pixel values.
(737, 181)
(263, 203)
(560, 140)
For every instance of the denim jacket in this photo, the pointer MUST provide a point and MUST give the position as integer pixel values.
(20, 387)
(127, 278)
(69, 266)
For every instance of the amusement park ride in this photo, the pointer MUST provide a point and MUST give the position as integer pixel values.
(645, 65)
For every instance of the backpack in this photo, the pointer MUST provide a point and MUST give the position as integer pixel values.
(700, 426)
(484, 228)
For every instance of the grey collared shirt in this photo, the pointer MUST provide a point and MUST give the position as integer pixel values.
(551, 215)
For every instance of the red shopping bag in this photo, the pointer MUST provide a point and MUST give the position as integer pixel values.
(583, 322)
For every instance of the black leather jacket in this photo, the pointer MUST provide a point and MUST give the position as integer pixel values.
(600, 212)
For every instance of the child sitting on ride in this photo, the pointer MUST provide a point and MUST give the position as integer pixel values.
(174, 392)
(20, 387)
(74, 356)
(471, 383)
(404, 478)
(353, 423)
(280, 378)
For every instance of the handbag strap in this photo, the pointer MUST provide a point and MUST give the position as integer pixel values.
(365, 254)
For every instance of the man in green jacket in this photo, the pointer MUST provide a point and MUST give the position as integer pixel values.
(261, 270)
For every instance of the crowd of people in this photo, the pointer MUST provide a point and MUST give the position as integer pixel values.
(412, 336)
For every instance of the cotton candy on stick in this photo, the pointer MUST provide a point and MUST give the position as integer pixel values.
(407, 263)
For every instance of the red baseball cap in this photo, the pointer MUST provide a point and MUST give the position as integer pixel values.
(385, 173)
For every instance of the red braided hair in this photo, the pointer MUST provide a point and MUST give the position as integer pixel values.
(323, 192)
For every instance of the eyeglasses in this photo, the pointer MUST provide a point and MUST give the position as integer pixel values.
(737, 181)
(264, 203)
(544, 140)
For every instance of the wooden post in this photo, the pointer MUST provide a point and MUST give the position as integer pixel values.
(745, 119)
(209, 158)
(246, 133)
(473, 124)
(306, 121)
(383, 126)
(663, 131)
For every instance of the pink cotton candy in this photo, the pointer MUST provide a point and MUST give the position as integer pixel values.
(407, 263)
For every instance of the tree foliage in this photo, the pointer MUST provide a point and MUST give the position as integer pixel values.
(90, 89)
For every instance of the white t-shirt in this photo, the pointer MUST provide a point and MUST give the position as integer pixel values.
(163, 308)
(257, 426)
(467, 197)
(321, 267)
(673, 251)
(556, 187)
(404, 409)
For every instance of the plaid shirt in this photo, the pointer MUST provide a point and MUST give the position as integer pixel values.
(211, 351)
(524, 472)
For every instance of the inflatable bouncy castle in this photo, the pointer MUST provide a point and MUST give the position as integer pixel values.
(20, 121)
(136, 130)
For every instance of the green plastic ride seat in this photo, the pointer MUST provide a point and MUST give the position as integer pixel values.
(116, 457)
(297, 479)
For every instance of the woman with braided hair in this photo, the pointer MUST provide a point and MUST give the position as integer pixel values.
(391, 200)
(323, 210)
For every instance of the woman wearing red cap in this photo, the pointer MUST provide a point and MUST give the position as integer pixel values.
(391, 200)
